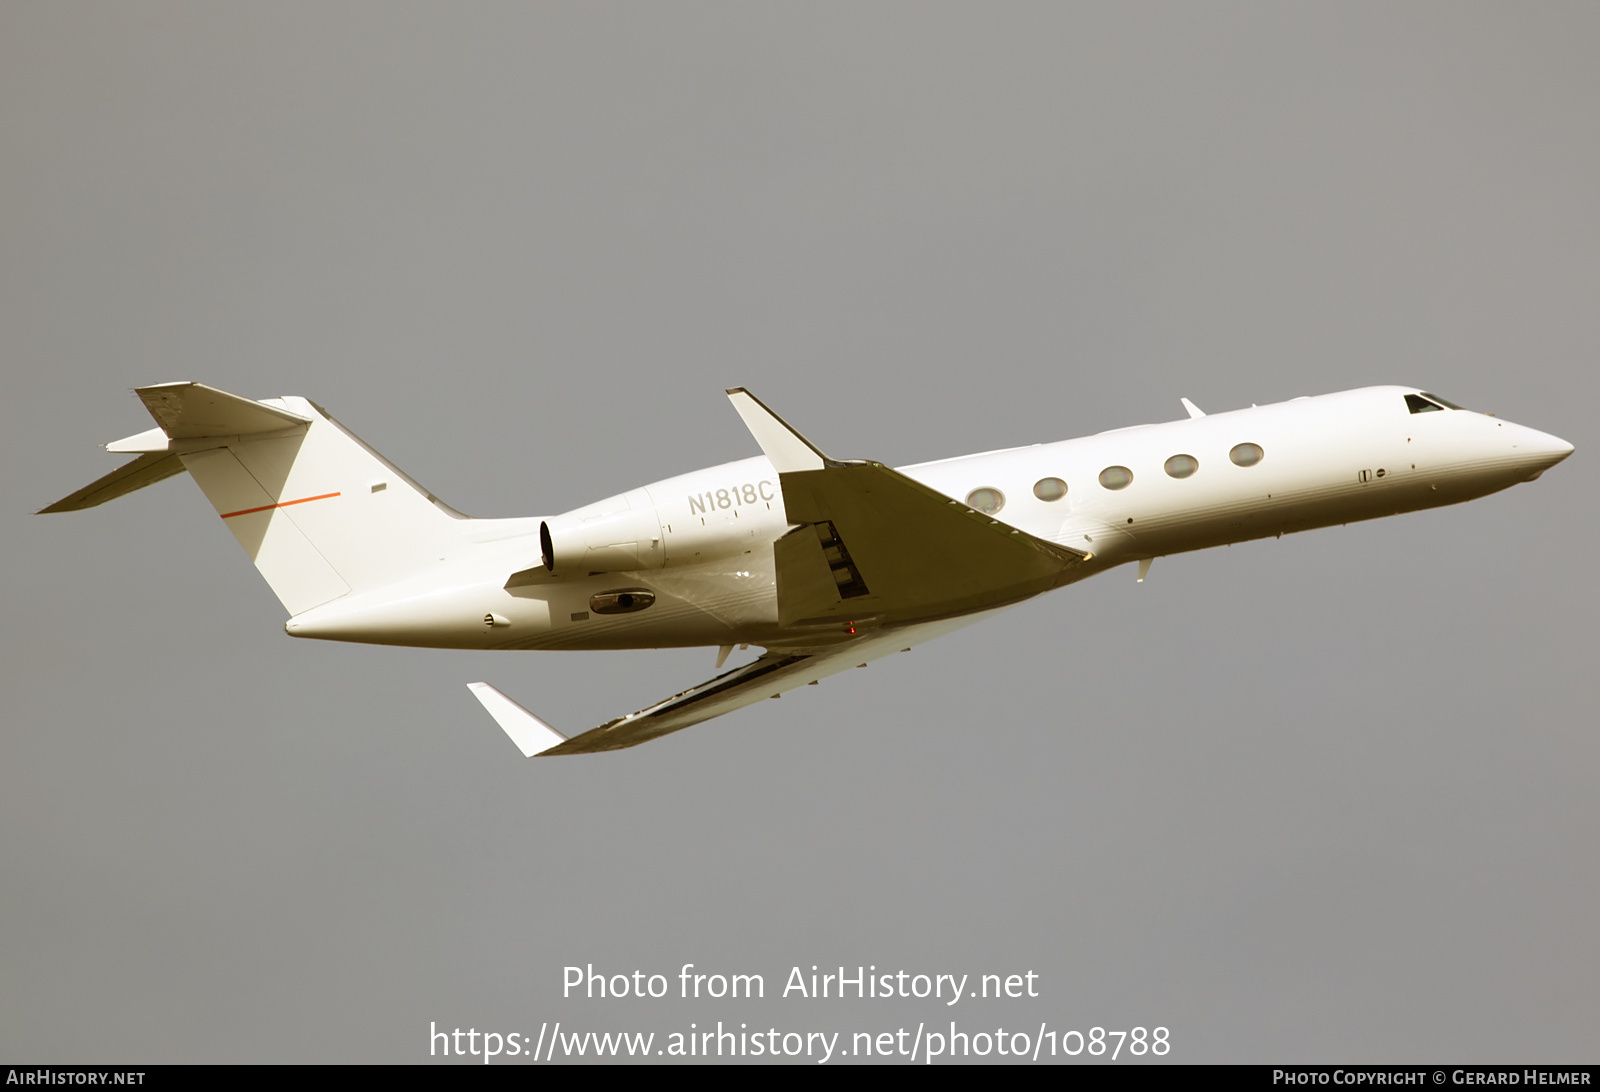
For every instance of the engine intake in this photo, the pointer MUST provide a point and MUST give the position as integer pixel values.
(625, 538)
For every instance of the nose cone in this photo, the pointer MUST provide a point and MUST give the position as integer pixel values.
(1538, 451)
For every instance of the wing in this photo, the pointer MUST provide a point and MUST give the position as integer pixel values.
(777, 672)
(873, 544)
(873, 563)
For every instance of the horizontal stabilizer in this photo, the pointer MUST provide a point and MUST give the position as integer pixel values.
(145, 470)
(531, 735)
(187, 413)
(190, 411)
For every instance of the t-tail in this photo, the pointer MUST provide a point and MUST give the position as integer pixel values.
(320, 513)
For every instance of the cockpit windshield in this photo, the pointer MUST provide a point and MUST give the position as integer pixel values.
(1428, 403)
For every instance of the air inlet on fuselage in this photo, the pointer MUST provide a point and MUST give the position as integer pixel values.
(621, 601)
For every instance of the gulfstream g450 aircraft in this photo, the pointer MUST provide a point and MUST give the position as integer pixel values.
(825, 563)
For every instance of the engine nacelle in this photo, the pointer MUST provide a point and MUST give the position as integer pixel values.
(618, 535)
(716, 514)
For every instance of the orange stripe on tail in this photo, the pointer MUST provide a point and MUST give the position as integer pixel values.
(280, 504)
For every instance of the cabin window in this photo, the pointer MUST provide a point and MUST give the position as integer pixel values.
(986, 500)
(1181, 466)
(1116, 477)
(1246, 454)
(1418, 404)
(1049, 489)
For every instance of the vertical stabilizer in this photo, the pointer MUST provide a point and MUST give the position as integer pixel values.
(319, 512)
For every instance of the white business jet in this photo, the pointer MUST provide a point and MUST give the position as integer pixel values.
(827, 564)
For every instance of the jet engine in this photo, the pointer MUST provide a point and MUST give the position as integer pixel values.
(711, 515)
(618, 535)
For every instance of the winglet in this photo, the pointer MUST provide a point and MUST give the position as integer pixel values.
(1194, 410)
(788, 450)
(531, 735)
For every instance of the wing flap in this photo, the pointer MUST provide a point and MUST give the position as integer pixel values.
(767, 677)
(777, 672)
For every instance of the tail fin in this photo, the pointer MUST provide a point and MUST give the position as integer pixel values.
(319, 512)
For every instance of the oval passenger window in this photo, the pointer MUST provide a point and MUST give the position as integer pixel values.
(1049, 489)
(1181, 466)
(986, 500)
(1245, 455)
(1116, 477)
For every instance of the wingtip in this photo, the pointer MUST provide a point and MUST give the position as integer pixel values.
(786, 448)
(531, 735)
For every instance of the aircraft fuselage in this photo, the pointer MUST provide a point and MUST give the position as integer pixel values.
(689, 560)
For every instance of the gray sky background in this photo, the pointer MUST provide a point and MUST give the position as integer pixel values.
(1328, 798)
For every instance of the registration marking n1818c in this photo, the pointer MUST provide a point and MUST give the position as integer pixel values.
(747, 493)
